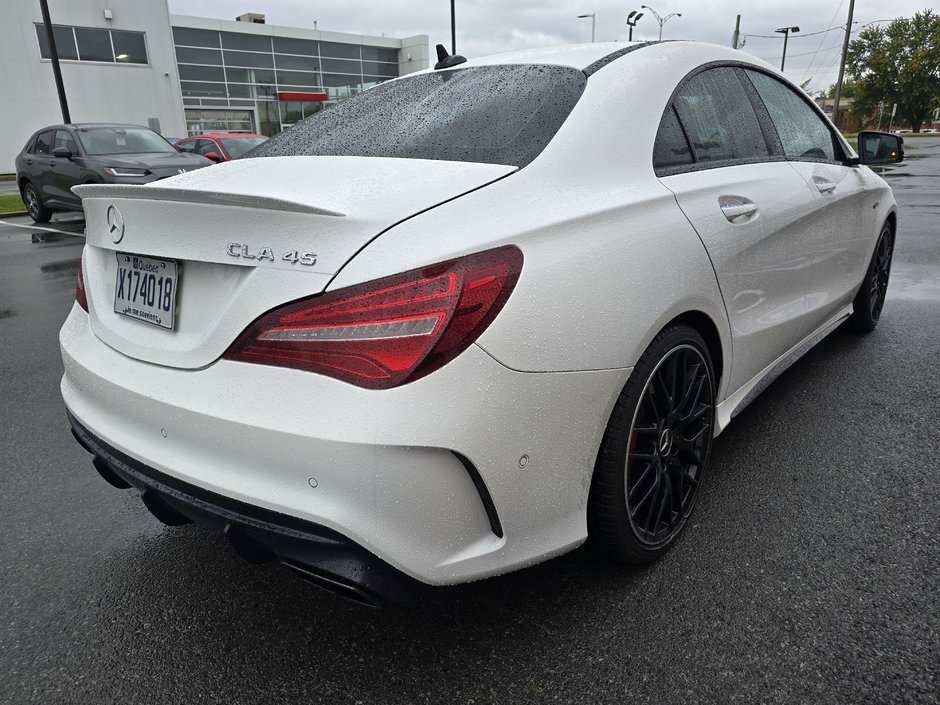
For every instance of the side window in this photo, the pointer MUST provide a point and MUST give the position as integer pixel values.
(44, 142)
(671, 147)
(803, 133)
(64, 139)
(718, 117)
(206, 146)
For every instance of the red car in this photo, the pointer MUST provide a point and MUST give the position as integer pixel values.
(220, 147)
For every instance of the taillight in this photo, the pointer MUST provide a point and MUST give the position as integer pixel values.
(390, 331)
(80, 287)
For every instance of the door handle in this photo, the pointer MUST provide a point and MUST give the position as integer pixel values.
(29, 162)
(737, 209)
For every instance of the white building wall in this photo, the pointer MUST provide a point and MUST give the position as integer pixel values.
(96, 92)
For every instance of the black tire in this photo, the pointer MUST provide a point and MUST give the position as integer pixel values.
(37, 211)
(870, 299)
(658, 438)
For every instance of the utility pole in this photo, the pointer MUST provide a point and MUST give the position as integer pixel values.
(785, 31)
(453, 30)
(845, 51)
(737, 33)
(54, 55)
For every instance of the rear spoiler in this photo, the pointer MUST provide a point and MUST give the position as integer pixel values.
(152, 192)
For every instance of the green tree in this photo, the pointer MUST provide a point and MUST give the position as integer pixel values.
(898, 64)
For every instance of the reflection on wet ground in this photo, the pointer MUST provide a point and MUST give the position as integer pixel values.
(69, 267)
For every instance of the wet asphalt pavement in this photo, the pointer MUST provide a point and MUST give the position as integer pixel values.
(810, 573)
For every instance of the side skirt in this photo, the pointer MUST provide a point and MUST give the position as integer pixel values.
(736, 403)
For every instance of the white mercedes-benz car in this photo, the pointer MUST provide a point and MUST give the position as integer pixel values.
(472, 317)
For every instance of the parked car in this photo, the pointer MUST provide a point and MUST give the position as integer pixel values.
(58, 157)
(468, 319)
(221, 147)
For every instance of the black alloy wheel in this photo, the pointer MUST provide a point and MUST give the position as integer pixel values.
(655, 450)
(870, 300)
(34, 207)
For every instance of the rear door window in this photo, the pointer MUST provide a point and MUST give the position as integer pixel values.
(803, 133)
(671, 147)
(719, 119)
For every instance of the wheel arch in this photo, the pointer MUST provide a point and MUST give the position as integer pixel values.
(705, 326)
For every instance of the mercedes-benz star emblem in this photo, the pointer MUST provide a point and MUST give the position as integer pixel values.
(115, 224)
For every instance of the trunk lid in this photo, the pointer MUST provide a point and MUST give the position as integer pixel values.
(234, 229)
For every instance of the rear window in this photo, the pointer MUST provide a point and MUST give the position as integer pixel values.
(489, 114)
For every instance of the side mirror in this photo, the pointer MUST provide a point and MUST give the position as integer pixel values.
(62, 153)
(214, 156)
(880, 148)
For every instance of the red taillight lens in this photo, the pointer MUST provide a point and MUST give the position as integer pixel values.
(390, 331)
(80, 287)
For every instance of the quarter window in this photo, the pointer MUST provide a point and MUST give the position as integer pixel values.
(718, 118)
(671, 147)
(803, 133)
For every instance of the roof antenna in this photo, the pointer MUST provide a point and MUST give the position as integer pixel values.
(445, 60)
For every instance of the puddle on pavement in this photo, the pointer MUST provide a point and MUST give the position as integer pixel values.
(62, 268)
(917, 283)
(53, 237)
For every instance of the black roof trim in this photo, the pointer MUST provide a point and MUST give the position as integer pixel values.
(601, 63)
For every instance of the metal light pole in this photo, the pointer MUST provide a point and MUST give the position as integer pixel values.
(785, 31)
(54, 55)
(661, 20)
(632, 19)
(593, 17)
(453, 30)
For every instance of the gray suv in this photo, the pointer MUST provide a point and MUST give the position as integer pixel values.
(59, 157)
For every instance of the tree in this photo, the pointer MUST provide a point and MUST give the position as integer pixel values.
(898, 64)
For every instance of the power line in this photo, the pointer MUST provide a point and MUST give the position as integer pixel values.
(822, 39)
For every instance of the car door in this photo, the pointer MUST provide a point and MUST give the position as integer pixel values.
(838, 243)
(65, 172)
(747, 205)
(41, 163)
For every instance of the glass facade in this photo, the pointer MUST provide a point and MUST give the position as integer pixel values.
(91, 44)
(230, 70)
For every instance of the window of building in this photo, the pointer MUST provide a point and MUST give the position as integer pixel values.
(305, 47)
(92, 44)
(185, 36)
(129, 47)
(246, 42)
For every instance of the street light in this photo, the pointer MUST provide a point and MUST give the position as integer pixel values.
(661, 20)
(632, 19)
(785, 31)
(593, 19)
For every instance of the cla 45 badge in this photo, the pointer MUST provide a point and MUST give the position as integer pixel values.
(307, 259)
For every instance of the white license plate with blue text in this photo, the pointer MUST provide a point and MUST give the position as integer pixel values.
(146, 289)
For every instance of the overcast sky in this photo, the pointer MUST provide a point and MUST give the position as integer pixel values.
(492, 26)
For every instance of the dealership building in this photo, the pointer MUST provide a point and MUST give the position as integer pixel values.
(133, 62)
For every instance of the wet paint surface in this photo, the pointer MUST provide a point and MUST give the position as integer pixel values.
(808, 574)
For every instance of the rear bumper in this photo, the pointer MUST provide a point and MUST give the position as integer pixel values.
(472, 471)
(316, 553)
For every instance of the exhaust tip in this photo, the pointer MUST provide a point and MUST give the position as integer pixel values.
(109, 475)
(163, 511)
(248, 547)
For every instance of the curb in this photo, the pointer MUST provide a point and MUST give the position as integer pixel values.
(12, 215)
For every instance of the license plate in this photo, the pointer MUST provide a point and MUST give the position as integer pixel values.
(146, 289)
